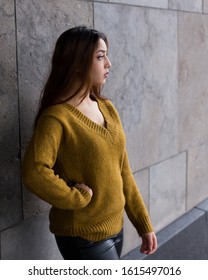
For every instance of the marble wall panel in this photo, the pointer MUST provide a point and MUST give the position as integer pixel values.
(186, 5)
(10, 187)
(143, 79)
(193, 82)
(39, 24)
(33, 205)
(197, 175)
(146, 3)
(131, 237)
(205, 6)
(168, 190)
(30, 240)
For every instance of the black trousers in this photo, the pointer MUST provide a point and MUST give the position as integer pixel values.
(77, 248)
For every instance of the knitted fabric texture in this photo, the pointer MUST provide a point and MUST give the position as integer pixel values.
(69, 147)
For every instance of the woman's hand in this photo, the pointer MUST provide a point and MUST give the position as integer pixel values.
(85, 187)
(149, 243)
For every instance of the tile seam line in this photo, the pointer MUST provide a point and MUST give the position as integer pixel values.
(18, 103)
(160, 161)
(150, 7)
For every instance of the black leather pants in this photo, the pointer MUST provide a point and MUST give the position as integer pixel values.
(76, 248)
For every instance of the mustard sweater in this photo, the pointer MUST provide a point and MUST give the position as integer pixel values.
(68, 147)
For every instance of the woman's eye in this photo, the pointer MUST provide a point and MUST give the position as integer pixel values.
(101, 57)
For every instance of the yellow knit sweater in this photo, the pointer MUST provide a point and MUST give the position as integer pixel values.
(68, 147)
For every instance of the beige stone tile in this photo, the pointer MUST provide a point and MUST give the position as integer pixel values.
(168, 190)
(197, 175)
(186, 5)
(205, 6)
(193, 82)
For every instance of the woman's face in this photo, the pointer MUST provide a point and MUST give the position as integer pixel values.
(100, 64)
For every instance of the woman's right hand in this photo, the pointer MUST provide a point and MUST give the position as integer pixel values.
(85, 187)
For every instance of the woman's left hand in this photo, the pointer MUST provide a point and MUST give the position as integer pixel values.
(149, 243)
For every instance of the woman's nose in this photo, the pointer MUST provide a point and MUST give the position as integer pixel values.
(108, 63)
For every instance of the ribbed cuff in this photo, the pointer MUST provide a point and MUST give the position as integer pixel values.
(144, 225)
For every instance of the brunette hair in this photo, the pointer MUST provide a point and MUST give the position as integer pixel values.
(72, 59)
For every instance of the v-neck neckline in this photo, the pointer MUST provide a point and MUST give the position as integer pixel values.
(108, 130)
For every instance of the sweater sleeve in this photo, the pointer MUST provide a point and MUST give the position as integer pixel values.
(37, 169)
(135, 207)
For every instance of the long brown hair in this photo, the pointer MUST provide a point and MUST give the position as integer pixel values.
(72, 59)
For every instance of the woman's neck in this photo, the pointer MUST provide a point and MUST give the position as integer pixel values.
(81, 97)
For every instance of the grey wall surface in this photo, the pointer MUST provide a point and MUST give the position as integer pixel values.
(158, 82)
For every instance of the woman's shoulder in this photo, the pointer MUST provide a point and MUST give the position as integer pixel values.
(57, 111)
(54, 115)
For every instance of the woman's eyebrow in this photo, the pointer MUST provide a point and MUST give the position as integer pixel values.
(101, 50)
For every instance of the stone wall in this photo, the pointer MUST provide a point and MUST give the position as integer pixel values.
(158, 83)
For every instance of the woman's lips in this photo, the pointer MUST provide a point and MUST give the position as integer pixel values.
(106, 74)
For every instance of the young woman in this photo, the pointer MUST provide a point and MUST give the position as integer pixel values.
(77, 159)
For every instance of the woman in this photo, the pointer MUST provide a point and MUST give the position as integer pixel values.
(77, 160)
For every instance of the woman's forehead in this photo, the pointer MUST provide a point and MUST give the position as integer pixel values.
(101, 45)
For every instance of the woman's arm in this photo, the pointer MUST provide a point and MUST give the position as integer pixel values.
(136, 210)
(135, 207)
(37, 169)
